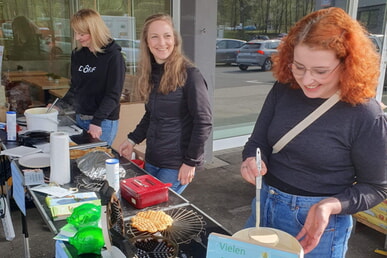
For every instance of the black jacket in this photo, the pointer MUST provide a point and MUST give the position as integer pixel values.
(176, 125)
(97, 82)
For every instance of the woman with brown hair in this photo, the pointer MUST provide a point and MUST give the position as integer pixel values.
(26, 39)
(178, 118)
(336, 166)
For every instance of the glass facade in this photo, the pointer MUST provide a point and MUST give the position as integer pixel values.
(36, 36)
(239, 93)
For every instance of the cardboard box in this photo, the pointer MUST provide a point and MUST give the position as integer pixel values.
(372, 220)
(3, 114)
(130, 115)
(62, 207)
(144, 191)
(377, 215)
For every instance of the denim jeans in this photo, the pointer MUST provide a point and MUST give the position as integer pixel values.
(288, 212)
(109, 128)
(166, 175)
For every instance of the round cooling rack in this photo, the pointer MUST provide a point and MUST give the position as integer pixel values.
(187, 225)
(154, 246)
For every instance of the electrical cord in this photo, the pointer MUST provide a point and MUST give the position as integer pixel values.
(3, 207)
(5, 169)
(3, 181)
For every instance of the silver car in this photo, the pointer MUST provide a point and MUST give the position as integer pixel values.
(226, 50)
(257, 53)
(61, 45)
(130, 49)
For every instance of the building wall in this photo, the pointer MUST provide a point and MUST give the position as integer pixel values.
(198, 30)
(378, 8)
(376, 12)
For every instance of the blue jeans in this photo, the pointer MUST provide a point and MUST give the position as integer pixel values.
(109, 128)
(166, 175)
(288, 212)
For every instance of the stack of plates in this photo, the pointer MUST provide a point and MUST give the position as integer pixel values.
(22, 121)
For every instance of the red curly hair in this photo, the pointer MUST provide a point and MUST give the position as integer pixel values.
(333, 29)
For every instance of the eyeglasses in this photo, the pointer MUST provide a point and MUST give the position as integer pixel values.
(318, 73)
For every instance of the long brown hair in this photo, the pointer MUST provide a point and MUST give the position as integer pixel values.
(333, 29)
(175, 66)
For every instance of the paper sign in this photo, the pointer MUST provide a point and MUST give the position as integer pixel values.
(18, 187)
(52, 190)
(33, 176)
(222, 246)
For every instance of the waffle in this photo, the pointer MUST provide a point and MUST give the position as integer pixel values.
(77, 153)
(151, 221)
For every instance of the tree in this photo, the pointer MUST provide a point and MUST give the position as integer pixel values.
(269, 16)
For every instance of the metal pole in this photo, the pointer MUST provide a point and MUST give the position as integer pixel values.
(383, 59)
(25, 234)
(176, 15)
(352, 6)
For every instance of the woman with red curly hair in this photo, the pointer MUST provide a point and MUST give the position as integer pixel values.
(336, 166)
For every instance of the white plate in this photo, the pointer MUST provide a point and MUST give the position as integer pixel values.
(37, 160)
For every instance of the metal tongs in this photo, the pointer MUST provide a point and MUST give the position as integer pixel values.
(258, 186)
(261, 234)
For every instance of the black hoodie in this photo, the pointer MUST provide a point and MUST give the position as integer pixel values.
(97, 82)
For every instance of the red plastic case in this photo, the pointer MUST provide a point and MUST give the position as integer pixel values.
(144, 191)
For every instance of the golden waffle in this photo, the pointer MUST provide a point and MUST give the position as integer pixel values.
(75, 154)
(151, 221)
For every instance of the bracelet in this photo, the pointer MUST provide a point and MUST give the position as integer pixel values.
(132, 142)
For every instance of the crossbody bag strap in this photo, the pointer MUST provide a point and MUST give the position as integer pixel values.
(306, 122)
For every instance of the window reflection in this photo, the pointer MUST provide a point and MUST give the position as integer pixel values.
(239, 95)
(26, 35)
(38, 40)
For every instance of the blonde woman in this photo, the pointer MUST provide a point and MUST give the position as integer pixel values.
(97, 76)
(178, 118)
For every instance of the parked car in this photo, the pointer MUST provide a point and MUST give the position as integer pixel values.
(226, 50)
(61, 45)
(247, 27)
(7, 30)
(377, 39)
(250, 27)
(130, 49)
(257, 53)
(282, 35)
(263, 37)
